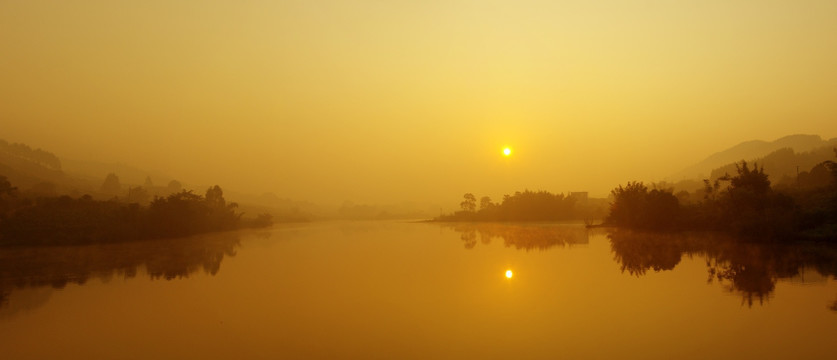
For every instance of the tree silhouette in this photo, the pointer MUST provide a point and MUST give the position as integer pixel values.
(63, 220)
(6, 188)
(111, 184)
(222, 215)
(535, 206)
(215, 197)
(522, 206)
(485, 203)
(469, 204)
(751, 207)
(752, 180)
(45, 188)
(7, 193)
(174, 186)
(627, 204)
(634, 206)
(263, 220)
(832, 167)
(137, 195)
(44, 158)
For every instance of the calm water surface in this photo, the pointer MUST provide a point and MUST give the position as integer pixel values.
(395, 290)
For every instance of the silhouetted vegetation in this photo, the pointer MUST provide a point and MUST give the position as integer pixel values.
(635, 206)
(780, 158)
(7, 195)
(526, 206)
(111, 185)
(137, 195)
(745, 205)
(263, 220)
(23, 151)
(783, 165)
(69, 221)
(175, 186)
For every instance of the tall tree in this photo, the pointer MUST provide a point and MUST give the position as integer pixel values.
(215, 197)
(470, 203)
(175, 186)
(7, 192)
(111, 185)
(137, 195)
(485, 202)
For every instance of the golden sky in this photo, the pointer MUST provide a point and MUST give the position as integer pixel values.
(380, 101)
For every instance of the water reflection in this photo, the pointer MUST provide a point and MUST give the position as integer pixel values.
(55, 267)
(521, 236)
(749, 269)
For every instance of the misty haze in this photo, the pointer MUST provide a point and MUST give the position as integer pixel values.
(426, 180)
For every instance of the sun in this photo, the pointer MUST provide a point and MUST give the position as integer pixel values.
(509, 274)
(506, 151)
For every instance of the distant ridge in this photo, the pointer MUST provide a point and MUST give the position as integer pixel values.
(751, 150)
(27, 167)
(37, 172)
(43, 172)
(784, 164)
(98, 170)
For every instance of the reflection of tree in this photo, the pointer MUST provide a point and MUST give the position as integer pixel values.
(750, 269)
(469, 237)
(24, 300)
(521, 236)
(636, 257)
(58, 266)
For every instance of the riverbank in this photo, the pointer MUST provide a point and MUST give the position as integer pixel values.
(65, 220)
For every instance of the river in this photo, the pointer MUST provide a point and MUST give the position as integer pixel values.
(400, 290)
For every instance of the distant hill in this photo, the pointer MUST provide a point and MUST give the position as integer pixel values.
(37, 172)
(782, 165)
(41, 173)
(752, 150)
(28, 168)
(97, 171)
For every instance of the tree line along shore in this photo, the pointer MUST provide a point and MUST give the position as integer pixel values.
(745, 205)
(64, 220)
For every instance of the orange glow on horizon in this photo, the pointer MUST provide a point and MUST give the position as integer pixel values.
(290, 86)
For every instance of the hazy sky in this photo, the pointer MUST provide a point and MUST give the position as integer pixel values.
(413, 100)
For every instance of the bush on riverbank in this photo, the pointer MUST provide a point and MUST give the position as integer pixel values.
(525, 206)
(744, 205)
(69, 221)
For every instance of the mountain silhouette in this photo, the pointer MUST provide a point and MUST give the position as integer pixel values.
(752, 150)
